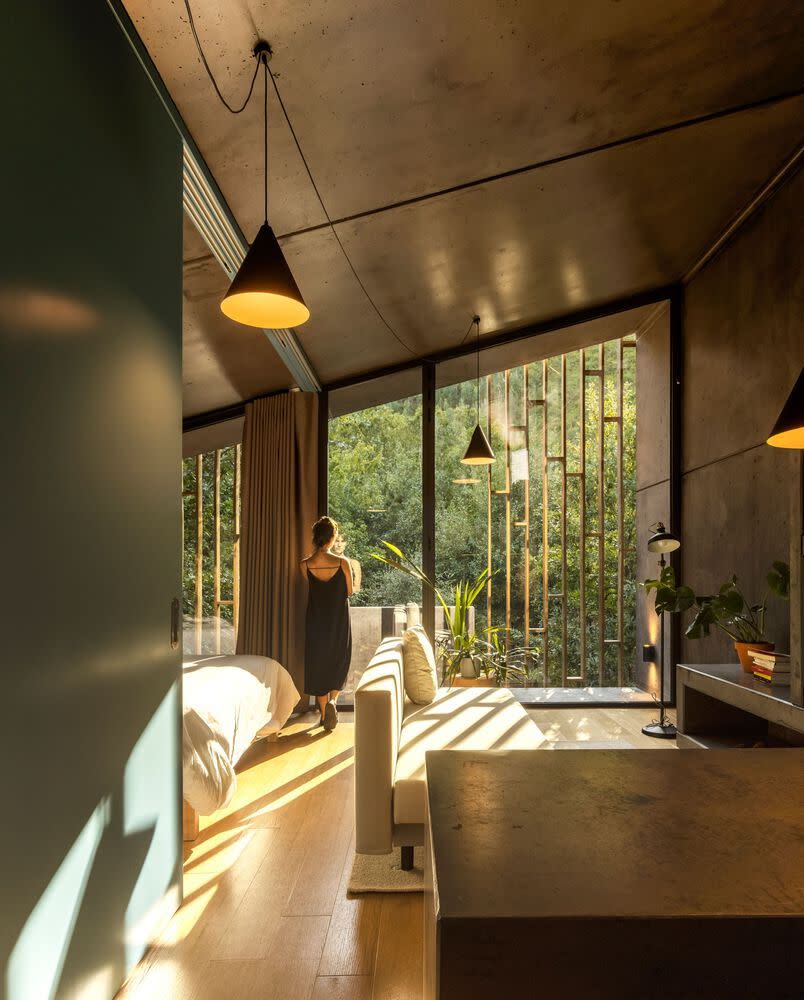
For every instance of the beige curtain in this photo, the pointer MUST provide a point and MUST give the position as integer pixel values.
(279, 506)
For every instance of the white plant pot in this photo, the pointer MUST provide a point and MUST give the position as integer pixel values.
(468, 668)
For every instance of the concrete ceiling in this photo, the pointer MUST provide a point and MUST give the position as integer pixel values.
(403, 102)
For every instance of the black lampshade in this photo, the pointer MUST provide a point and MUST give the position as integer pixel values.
(788, 431)
(479, 451)
(663, 540)
(264, 293)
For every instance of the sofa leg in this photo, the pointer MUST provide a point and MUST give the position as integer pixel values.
(406, 862)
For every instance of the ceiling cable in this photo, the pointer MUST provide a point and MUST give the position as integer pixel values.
(476, 321)
(226, 104)
(348, 259)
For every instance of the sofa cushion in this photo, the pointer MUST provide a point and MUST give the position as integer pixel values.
(458, 719)
(419, 666)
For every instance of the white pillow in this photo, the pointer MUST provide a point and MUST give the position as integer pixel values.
(419, 665)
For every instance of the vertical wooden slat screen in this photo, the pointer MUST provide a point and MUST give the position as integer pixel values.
(216, 574)
(489, 522)
(199, 553)
(198, 512)
(601, 516)
(601, 622)
(236, 543)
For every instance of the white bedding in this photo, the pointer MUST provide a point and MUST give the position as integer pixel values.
(228, 702)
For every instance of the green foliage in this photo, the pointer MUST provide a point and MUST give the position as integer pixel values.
(727, 610)
(778, 580)
(375, 492)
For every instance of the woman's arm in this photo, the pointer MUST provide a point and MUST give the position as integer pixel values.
(347, 572)
(357, 575)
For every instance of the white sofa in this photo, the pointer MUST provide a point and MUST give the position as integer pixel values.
(392, 735)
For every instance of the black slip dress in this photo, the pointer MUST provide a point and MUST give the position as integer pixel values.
(328, 634)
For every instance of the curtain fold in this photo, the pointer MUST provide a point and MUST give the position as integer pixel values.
(279, 499)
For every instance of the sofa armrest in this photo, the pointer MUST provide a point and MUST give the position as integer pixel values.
(376, 749)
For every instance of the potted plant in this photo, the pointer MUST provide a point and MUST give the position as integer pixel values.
(461, 649)
(508, 666)
(727, 610)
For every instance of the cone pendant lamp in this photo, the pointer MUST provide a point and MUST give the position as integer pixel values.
(479, 451)
(264, 293)
(788, 431)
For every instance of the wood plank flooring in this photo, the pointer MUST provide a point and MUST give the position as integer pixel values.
(265, 912)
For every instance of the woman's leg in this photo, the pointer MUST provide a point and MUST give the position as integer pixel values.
(331, 712)
(322, 700)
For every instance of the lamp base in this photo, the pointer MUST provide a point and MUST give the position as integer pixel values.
(661, 730)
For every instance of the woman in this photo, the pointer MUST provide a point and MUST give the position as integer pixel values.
(328, 631)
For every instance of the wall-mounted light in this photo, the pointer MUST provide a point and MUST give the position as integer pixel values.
(662, 540)
(648, 653)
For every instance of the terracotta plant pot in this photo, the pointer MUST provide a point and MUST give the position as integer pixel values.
(744, 650)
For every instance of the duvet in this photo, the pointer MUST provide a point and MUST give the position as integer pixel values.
(228, 701)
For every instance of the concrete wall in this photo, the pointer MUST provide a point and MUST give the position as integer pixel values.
(744, 348)
(90, 409)
(652, 481)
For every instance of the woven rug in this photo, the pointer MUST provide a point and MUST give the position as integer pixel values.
(381, 873)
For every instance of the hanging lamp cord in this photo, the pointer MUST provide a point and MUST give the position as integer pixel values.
(236, 111)
(476, 321)
(264, 61)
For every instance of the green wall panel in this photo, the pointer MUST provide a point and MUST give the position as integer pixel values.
(90, 397)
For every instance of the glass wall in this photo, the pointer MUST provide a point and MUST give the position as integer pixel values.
(375, 494)
(553, 518)
(211, 558)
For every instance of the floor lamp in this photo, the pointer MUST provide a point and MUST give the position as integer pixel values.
(661, 541)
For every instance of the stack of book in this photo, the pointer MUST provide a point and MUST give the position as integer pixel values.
(772, 667)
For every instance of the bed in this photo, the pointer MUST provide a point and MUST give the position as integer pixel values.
(228, 702)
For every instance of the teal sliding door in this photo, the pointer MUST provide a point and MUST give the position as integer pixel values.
(90, 410)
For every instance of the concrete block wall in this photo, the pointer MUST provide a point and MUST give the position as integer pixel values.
(744, 348)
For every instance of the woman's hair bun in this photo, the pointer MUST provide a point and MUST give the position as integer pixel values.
(324, 531)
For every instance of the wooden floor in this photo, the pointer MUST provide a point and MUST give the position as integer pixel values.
(265, 912)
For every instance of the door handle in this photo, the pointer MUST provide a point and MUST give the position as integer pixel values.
(174, 623)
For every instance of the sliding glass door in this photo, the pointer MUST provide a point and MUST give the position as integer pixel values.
(375, 494)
